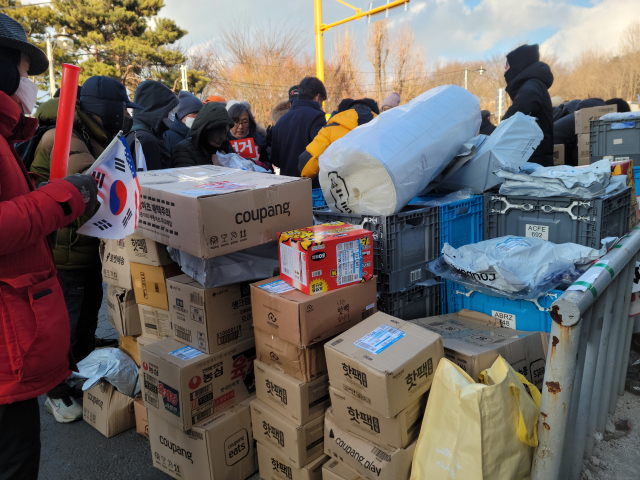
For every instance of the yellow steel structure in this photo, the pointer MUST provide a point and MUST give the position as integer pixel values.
(320, 27)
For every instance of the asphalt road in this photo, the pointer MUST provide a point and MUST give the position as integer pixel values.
(77, 451)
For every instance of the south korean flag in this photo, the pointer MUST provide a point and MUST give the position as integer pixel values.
(118, 193)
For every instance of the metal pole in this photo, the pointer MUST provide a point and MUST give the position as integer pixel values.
(52, 76)
(319, 40)
(466, 77)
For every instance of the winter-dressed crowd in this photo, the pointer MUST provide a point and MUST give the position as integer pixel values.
(50, 276)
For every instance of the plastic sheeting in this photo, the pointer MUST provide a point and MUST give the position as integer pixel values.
(631, 116)
(249, 265)
(444, 200)
(517, 266)
(111, 364)
(233, 160)
(508, 148)
(379, 167)
(561, 181)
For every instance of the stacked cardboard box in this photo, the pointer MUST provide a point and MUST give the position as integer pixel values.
(583, 120)
(292, 384)
(380, 373)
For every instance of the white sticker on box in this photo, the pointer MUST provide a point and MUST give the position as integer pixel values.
(617, 141)
(186, 353)
(507, 320)
(292, 263)
(380, 339)
(349, 256)
(279, 286)
(537, 231)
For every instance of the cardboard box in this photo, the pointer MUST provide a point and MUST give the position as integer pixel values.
(145, 251)
(325, 257)
(122, 311)
(209, 211)
(584, 116)
(116, 270)
(107, 410)
(303, 320)
(275, 467)
(143, 341)
(298, 401)
(150, 283)
(336, 470)
(558, 154)
(391, 433)
(185, 386)
(209, 319)
(384, 362)
(370, 461)
(129, 345)
(155, 322)
(583, 149)
(142, 423)
(305, 364)
(299, 444)
(473, 341)
(221, 448)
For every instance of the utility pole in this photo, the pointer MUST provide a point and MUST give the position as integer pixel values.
(320, 27)
(183, 74)
(52, 76)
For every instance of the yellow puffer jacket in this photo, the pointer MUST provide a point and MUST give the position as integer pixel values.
(339, 125)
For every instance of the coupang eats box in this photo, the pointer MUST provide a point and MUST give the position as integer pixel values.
(325, 257)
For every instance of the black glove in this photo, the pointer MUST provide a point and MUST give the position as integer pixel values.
(88, 188)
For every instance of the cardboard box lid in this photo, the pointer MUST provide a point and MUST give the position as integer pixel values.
(404, 342)
(174, 352)
(471, 333)
(208, 180)
(295, 296)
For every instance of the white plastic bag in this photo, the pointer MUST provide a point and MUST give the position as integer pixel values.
(508, 148)
(379, 167)
(111, 364)
(233, 160)
(248, 265)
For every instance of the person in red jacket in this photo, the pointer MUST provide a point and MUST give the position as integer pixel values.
(34, 325)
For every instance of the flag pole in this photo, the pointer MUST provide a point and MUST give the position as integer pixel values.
(115, 140)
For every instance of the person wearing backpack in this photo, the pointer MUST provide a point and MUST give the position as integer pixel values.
(99, 116)
(149, 126)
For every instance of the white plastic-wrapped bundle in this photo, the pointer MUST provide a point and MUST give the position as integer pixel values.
(379, 167)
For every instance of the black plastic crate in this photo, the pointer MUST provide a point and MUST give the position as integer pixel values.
(606, 138)
(414, 302)
(402, 243)
(584, 221)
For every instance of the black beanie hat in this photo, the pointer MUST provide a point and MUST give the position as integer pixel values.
(523, 57)
(10, 78)
(344, 104)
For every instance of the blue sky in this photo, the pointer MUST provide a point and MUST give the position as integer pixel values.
(444, 29)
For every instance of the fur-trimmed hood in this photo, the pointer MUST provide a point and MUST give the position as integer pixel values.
(279, 110)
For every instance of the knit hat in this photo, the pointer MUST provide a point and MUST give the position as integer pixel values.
(344, 104)
(392, 100)
(188, 103)
(12, 35)
(216, 98)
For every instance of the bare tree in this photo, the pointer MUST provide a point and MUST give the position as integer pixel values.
(342, 75)
(408, 63)
(377, 48)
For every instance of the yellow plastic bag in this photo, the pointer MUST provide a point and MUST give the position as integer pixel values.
(475, 431)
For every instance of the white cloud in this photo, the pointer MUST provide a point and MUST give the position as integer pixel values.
(416, 8)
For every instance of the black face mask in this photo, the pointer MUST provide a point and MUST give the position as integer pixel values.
(128, 123)
(111, 113)
(510, 74)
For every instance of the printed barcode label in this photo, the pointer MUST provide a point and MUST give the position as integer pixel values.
(197, 298)
(380, 339)
(183, 333)
(196, 435)
(202, 415)
(381, 455)
(186, 353)
(279, 286)
(349, 256)
(151, 399)
(150, 326)
(292, 263)
(317, 273)
(201, 391)
(229, 335)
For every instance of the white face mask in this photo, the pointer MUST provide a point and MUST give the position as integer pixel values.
(189, 121)
(27, 93)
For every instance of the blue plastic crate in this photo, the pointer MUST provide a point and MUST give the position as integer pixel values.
(522, 315)
(318, 198)
(636, 178)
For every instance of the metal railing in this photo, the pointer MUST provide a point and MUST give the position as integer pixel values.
(587, 362)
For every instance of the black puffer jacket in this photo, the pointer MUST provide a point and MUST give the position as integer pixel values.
(195, 150)
(486, 127)
(529, 92)
(564, 131)
(148, 125)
